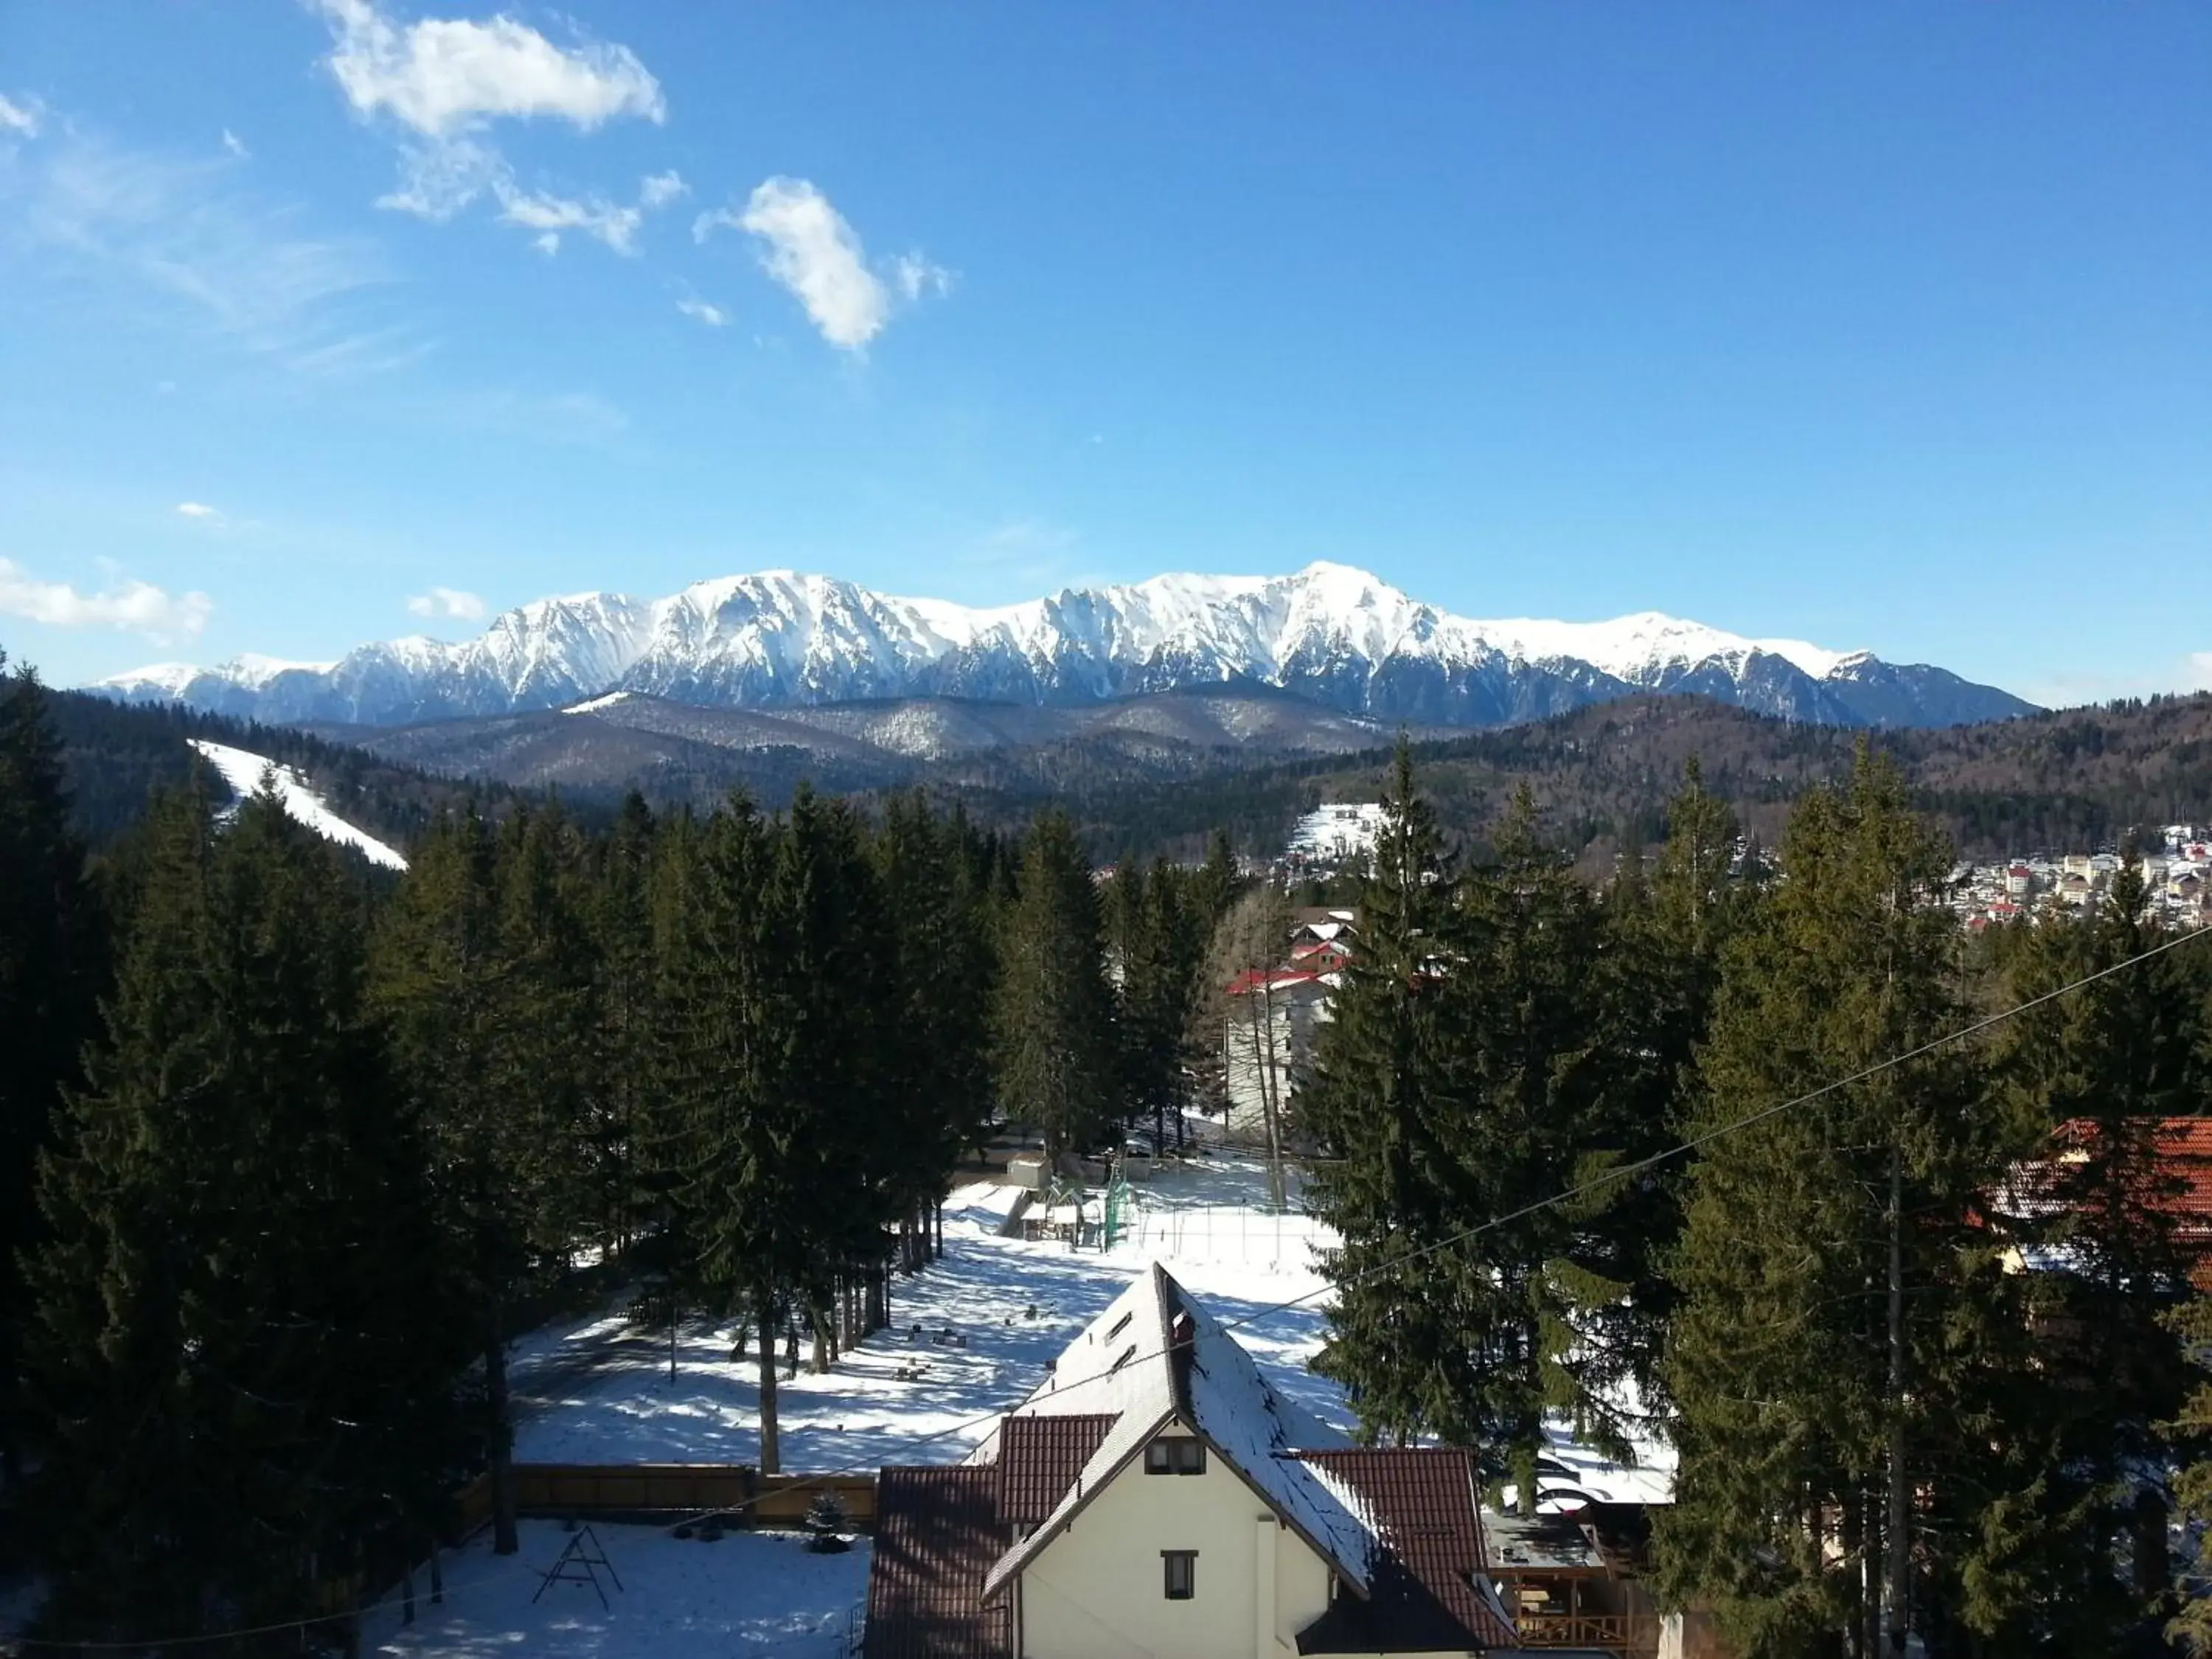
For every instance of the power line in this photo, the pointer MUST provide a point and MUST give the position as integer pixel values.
(1584, 1189)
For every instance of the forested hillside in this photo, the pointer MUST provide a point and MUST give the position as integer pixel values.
(1601, 777)
(115, 754)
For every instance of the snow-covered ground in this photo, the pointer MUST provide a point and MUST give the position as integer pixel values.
(744, 1595)
(591, 1396)
(1339, 831)
(597, 1391)
(243, 772)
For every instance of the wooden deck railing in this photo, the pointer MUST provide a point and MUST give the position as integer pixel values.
(1631, 1635)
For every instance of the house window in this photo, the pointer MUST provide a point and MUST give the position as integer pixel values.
(1175, 1456)
(1182, 1568)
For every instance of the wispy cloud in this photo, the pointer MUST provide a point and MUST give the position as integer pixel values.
(198, 510)
(918, 278)
(447, 602)
(186, 242)
(699, 311)
(567, 418)
(236, 145)
(133, 607)
(21, 117)
(441, 82)
(809, 248)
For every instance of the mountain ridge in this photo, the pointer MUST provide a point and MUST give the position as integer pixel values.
(1330, 633)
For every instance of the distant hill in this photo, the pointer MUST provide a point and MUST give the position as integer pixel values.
(2075, 778)
(114, 755)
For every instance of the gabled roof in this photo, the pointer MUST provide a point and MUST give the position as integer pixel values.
(1430, 1589)
(1040, 1455)
(937, 1531)
(1156, 1358)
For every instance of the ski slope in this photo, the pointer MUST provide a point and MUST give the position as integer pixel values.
(244, 771)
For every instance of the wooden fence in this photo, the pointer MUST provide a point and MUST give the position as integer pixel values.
(734, 1489)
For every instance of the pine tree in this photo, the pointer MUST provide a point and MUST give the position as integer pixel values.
(1160, 961)
(1054, 1039)
(1846, 1328)
(2096, 1071)
(621, 921)
(1667, 925)
(1378, 1074)
(729, 1044)
(939, 1032)
(440, 981)
(242, 1351)
(49, 948)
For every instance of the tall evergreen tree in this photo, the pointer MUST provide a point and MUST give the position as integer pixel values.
(2096, 1073)
(242, 1350)
(1844, 1327)
(939, 1032)
(1054, 1041)
(1379, 1075)
(49, 950)
(440, 979)
(1160, 961)
(1667, 925)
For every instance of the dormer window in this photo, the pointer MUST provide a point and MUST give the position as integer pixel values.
(1178, 1455)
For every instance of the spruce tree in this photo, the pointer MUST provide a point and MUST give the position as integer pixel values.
(2095, 1073)
(440, 980)
(1844, 1327)
(49, 949)
(242, 1352)
(937, 1032)
(728, 1041)
(1054, 1040)
(1667, 924)
(1378, 1075)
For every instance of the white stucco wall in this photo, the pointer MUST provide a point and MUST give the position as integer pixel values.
(1097, 1591)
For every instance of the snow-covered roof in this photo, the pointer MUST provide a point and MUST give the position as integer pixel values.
(1156, 1357)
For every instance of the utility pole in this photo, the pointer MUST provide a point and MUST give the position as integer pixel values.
(1898, 1541)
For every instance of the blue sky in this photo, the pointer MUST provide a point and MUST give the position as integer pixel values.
(1884, 325)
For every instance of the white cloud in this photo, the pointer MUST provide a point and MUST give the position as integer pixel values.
(23, 119)
(699, 311)
(616, 226)
(444, 81)
(918, 278)
(815, 253)
(186, 242)
(443, 77)
(135, 607)
(438, 180)
(662, 188)
(236, 145)
(198, 510)
(447, 602)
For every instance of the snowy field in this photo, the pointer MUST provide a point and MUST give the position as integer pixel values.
(243, 772)
(744, 1595)
(597, 1391)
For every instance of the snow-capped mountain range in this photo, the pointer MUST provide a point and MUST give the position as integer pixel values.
(1335, 635)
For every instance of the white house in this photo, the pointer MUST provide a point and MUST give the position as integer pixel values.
(1156, 1499)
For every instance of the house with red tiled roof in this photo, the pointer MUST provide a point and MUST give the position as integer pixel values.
(1156, 1496)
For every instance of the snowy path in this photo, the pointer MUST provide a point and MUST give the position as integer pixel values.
(1205, 1223)
(746, 1595)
